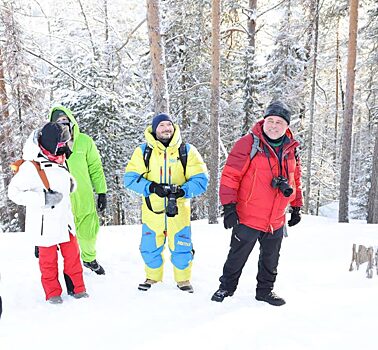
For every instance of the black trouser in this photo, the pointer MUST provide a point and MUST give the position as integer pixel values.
(243, 240)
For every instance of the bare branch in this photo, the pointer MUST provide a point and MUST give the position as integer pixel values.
(130, 35)
(63, 71)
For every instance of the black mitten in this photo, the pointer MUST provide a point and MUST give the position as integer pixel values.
(231, 217)
(295, 216)
(180, 192)
(101, 201)
(162, 190)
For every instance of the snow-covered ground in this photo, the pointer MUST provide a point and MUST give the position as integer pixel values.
(327, 307)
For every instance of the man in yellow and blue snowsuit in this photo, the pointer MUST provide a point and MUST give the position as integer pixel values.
(86, 167)
(156, 181)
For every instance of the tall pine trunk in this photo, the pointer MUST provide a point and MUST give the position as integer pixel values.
(348, 114)
(372, 215)
(157, 51)
(214, 117)
(312, 106)
(250, 94)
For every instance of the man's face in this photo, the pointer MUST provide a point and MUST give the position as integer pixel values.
(63, 119)
(165, 131)
(275, 127)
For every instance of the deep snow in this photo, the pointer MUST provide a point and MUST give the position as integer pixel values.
(327, 306)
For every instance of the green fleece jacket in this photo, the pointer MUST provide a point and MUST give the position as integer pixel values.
(86, 167)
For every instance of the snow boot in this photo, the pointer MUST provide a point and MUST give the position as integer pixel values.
(185, 286)
(95, 267)
(55, 300)
(146, 285)
(78, 295)
(220, 294)
(271, 298)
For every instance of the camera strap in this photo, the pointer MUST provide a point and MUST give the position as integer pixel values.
(149, 206)
(279, 156)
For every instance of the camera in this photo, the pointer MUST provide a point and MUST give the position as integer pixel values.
(281, 183)
(172, 209)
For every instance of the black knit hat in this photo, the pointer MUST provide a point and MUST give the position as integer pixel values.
(279, 109)
(57, 114)
(158, 119)
(50, 136)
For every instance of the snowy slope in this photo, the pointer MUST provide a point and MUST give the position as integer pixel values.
(327, 306)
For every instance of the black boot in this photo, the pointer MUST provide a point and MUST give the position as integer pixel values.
(94, 266)
(185, 286)
(271, 298)
(220, 294)
(146, 285)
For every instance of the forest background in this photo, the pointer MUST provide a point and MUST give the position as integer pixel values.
(221, 63)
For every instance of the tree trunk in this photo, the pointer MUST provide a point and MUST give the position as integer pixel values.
(9, 211)
(372, 215)
(337, 74)
(348, 114)
(312, 106)
(159, 75)
(250, 61)
(214, 117)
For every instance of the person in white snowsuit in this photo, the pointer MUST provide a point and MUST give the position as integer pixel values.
(48, 211)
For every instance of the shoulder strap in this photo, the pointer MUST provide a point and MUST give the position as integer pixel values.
(255, 146)
(183, 154)
(16, 165)
(147, 155)
(42, 174)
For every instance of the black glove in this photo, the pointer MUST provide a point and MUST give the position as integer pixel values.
(162, 190)
(231, 217)
(101, 201)
(36, 252)
(180, 193)
(295, 216)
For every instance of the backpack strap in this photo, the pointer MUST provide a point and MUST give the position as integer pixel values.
(255, 146)
(147, 155)
(16, 165)
(42, 175)
(183, 154)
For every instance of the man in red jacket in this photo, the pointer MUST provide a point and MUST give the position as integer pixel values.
(255, 194)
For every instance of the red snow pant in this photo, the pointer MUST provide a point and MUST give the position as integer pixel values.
(48, 264)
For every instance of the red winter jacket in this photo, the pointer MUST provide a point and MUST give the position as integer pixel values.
(248, 183)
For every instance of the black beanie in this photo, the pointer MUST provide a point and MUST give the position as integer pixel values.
(57, 114)
(279, 109)
(158, 119)
(50, 136)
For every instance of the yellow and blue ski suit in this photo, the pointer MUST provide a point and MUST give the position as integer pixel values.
(165, 167)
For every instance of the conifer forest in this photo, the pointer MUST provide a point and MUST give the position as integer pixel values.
(214, 66)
